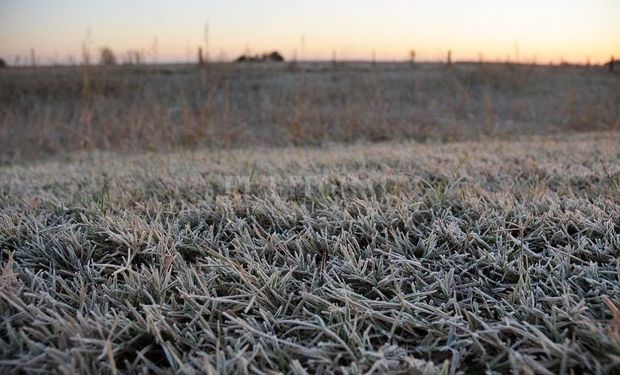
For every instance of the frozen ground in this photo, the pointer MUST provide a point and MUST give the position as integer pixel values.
(400, 257)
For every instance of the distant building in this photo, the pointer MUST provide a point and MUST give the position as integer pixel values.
(274, 56)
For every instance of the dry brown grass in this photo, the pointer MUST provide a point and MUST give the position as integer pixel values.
(48, 111)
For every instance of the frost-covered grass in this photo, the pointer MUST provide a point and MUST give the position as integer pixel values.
(399, 257)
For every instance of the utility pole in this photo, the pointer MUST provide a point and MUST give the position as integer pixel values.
(303, 47)
(33, 58)
(206, 52)
(201, 60)
(154, 50)
(516, 48)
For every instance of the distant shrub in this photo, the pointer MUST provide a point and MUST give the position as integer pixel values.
(133, 57)
(274, 56)
(107, 56)
(3, 64)
(611, 64)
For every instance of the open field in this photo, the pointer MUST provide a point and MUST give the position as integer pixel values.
(310, 187)
(47, 111)
(397, 256)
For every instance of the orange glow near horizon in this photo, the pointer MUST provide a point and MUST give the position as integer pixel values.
(497, 30)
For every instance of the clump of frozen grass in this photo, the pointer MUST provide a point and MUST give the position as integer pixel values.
(384, 258)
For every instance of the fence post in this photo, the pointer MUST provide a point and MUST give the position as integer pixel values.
(201, 60)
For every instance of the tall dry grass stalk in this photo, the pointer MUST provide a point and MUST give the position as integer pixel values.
(86, 115)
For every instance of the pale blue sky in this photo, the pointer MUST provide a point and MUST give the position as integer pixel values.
(549, 30)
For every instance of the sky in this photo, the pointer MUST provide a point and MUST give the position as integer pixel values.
(165, 30)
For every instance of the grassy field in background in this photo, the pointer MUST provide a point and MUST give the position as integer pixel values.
(50, 111)
(389, 257)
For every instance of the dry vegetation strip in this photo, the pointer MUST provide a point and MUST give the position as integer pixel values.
(402, 257)
(49, 111)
